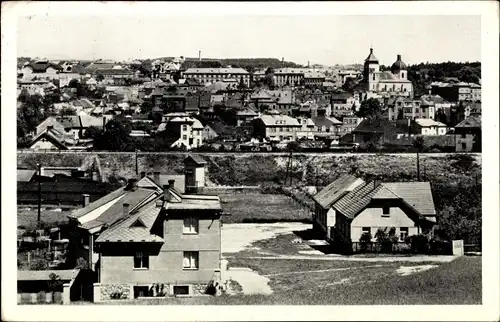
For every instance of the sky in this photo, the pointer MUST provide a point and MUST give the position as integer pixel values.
(327, 39)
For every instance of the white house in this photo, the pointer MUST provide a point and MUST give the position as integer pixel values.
(430, 127)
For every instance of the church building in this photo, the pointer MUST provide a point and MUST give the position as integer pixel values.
(394, 82)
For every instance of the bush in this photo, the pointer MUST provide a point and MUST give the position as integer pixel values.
(364, 240)
(419, 244)
(116, 295)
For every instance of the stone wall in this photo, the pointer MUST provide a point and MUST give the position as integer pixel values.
(108, 289)
(199, 289)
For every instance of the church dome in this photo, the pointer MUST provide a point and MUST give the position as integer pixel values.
(398, 65)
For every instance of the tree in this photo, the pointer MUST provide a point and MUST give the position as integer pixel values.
(269, 78)
(81, 263)
(74, 83)
(293, 146)
(92, 133)
(115, 137)
(349, 84)
(241, 85)
(99, 77)
(364, 240)
(369, 108)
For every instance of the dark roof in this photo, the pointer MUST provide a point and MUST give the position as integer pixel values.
(341, 96)
(41, 67)
(378, 125)
(371, 58)
(416, 195)
(114, 71)
(398, 65)
(196, 159)
(326, 121)
(335, 190)
(470, 122)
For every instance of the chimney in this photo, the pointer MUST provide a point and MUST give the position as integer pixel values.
(376, 181)
(171, 183)
(126, 207)
(143, 174)
(156, 177)
(371, 50)
(199, 55)
(166, 192)
(399, 57)
(86, 199)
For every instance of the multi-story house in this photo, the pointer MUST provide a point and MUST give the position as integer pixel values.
(327, 127)
(183, 131)
(288, 77)
(41, 69)
(349, 123)
(307, 130)
(404, 108)
(212, 75)
(468, 134)
(276, 127)
(350, 207)
(313, 78)
(456, 92)
(344, 104)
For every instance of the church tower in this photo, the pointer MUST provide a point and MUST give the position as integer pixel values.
(371, 71)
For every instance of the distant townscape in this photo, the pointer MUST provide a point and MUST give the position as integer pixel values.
(231, 105)
(248, 181)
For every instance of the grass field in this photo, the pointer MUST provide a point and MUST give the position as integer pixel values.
(262, 208)
(28, 218)
(457, 282)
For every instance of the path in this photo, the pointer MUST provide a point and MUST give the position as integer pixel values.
(251, 282)
(413, 259)
(323, 270)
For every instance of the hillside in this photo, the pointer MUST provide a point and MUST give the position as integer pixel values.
(254, 169)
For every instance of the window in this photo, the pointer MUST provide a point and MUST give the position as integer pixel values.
(464, 135)
(190, 260)
(403, 233)
(190, 225)
(141, 291)
(141, 260)
(184, 137)
(181, 290)
(464, 147)
(365, 230)
(184, 127)
(386, 211)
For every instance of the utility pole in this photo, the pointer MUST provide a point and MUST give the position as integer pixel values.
(39, 218)
(136, 165)
(418, 166)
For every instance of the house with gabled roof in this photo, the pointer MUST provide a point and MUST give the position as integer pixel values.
(324, 215)
(468, 134)
(369, 206)
(170, 244)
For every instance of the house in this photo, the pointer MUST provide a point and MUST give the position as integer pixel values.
(379, 131)
(169, 246)
(245, 116)
(326, 127)
(184, 130)
(77, 125)
(307, 130)
(349, 123)
(313, 78)
(288, 77)
(31, 283)
(457, 91)
(324, 214)
(468, 135)
(211, 75)
(52, 139)
(50, 121)
(93, 218)
(276, 127)
(41, 69)
(344, 104)
(406, 108)
(349, 208)
(429, 127)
